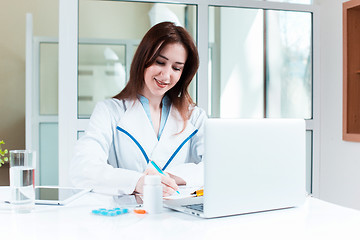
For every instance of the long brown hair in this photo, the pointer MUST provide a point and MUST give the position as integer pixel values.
(149, 49)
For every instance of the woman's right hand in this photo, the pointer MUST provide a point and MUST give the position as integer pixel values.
(168, 183)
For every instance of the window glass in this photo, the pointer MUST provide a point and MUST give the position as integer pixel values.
(248, 80)
(48, 78)
(236, 62)
(80, 134)
(48, 154)
(112, 29)
(101, 74)
(289, 64)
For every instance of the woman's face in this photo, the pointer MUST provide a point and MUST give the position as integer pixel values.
(165, 72)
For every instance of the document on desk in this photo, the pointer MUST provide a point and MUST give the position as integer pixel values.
(185, 192)
(128, 200)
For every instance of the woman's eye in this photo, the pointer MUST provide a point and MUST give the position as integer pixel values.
(159, 62)
(176, 68)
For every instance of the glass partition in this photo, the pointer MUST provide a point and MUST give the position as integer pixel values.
(109, 32)
(101, 74)
(236, 62)
(48, 78)
(289, 64)
(48, 154)
(263, 66)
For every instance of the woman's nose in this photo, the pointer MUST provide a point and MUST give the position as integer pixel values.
(166, 72)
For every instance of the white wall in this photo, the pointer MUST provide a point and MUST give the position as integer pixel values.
(340, 160)
(12, 65)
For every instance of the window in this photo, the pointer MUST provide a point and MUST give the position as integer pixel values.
(288, 64)
(48, 78)
(263, 66)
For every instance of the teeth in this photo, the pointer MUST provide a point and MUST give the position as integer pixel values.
(161, 83)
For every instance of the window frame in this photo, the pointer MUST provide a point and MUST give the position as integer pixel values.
(68, 48)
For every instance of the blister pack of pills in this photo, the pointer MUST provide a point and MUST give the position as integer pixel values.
(110, 212)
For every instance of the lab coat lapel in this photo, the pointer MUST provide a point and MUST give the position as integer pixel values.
(136, 123)
(170, 140)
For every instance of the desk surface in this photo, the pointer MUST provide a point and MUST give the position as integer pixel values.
(316, 219)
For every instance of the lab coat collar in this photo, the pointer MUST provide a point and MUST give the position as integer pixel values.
(136, 123)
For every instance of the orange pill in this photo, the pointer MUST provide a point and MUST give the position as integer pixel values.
(139, 211)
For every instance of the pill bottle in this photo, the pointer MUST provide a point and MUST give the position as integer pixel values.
(153, 191)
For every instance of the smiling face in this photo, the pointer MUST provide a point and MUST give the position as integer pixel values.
(165, 72)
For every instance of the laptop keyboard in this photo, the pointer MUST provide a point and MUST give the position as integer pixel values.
(197, 207)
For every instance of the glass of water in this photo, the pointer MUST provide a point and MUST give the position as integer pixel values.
(22, 180)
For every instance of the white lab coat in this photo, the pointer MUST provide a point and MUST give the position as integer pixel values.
(107, 159)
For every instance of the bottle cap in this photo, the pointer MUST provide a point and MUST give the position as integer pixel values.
(152, 179)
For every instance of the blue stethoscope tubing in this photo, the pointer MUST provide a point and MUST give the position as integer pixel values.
(144, 153)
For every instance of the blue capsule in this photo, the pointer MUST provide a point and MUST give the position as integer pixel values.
(125, 210)
(96, 211)
(104, 212)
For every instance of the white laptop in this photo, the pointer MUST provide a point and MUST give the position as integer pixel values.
(250, 165)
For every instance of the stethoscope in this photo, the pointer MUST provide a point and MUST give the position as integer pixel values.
(144, 153)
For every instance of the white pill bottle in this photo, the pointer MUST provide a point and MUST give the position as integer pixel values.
(153, 192)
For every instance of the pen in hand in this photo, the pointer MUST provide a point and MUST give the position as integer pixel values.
(159, 170)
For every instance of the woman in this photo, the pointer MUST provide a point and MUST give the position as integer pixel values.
(152, 118)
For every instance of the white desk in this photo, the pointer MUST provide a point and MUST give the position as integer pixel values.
(316, 219)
